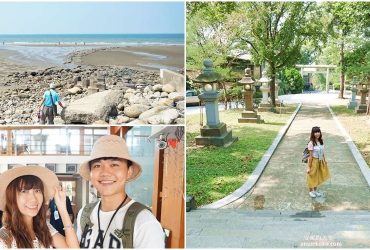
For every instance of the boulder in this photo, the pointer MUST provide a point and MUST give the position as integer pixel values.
(169, 88)
(135, 110)
(93, 107)
(164, 117)
(74, 90)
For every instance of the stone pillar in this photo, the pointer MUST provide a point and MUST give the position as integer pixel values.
(214, 132)
(85, 83)
(92, 90)
(249, 115)
(327, 80)
(353, 103)
(362, 108)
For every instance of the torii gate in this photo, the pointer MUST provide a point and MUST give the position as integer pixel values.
(317, 69)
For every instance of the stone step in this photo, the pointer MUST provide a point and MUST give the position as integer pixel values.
(270, 228)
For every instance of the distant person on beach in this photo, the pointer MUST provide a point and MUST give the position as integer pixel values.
(317, 167)
(48, 105)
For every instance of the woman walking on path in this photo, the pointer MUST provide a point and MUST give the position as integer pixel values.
(317, 167)
(23, 193)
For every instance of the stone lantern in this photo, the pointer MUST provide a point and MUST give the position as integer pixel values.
(249, 115)
(277, 87)
(214, 132)
(353, 103)
(265, 88)
(362, 108)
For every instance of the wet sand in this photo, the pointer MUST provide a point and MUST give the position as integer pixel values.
(140, 57)
(8, 66)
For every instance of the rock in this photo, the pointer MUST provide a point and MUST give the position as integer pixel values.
(121, 106)
(137, 121)
(154, 111)
(93, 107)
(123, 119)
(163, 102)
(176, 96)
(135, 110)
(2, 122)
(169, 88)
(74, 90)
(164, 117)
(180, 105)
(164, 94)
(8, 112)
(147, 89)
(180, 121)
(157, 87)
(128, 95)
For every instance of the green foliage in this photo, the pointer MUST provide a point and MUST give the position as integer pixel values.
(292, 81)
(358, 61)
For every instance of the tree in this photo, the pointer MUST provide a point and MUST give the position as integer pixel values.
(206, 37)
(349, 20)
(276, 31)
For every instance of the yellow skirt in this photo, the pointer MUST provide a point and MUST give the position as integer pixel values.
(318, 174)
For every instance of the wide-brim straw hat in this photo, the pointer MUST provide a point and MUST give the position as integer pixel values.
(48, 178)
(110, 146)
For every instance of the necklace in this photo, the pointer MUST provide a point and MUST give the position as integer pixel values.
(111, 219)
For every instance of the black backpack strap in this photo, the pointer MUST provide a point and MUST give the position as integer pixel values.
(51, 96)
(6, 236)
(127, 235)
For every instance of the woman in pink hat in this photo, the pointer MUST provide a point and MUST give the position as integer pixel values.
(23, 193)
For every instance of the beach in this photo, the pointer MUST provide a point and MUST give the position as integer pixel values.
(147, 57)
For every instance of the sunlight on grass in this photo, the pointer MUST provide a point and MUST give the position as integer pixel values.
(357, 127)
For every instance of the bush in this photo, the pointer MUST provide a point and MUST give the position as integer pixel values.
(292, 81)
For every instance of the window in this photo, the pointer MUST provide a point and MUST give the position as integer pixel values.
(51, 166)
(71, 168)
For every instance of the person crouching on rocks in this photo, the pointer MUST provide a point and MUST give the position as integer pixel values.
(48, 105)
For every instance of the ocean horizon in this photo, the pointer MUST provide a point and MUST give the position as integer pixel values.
(53, 48)
(92, 39)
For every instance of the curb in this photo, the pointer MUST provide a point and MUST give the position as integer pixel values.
(365, 170)
(256, 174)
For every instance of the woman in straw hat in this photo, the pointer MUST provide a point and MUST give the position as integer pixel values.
(23, 193)
(100, 225)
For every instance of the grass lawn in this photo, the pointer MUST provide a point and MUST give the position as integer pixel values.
(357, 126)
(214, 172)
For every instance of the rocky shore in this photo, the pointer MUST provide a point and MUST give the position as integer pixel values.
(93, 95)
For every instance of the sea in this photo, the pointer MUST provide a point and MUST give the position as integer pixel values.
(52, 49)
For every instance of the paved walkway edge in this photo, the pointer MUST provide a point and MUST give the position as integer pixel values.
(354, 150)
(256, 174)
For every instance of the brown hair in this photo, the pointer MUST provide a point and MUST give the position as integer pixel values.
(13, 219)
(313, 138)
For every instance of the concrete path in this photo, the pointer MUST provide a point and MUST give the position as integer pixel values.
(237, 228)
(276, 213)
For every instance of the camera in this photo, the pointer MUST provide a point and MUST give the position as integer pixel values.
(161, 143)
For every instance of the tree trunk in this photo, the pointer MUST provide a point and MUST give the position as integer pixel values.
(368, 104)
(225, 95)
(342, 70)
(272, 84)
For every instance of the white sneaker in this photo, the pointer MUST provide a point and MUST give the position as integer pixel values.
(312, 194)
(318, 194)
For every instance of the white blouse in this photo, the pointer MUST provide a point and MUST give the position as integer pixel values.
(36, 242)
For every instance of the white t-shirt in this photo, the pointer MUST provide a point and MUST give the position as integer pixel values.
(36, 243)
(318, 150)
(148, 231)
